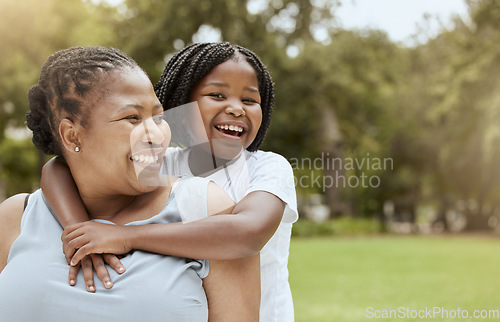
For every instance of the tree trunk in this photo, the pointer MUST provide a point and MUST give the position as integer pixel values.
(330, 146)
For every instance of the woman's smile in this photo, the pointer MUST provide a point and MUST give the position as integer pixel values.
(150, 158)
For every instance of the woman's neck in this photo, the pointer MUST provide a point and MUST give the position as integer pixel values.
(107, 207)
(122, 209)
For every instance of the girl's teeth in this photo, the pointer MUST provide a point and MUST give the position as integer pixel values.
(231, 128)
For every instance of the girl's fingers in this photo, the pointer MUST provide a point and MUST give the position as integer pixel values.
(81, 253)
(73, 272)
(68, 253)
(76, 246)
(114, 262)
(71, 243)
(88, 273)
(70, 230)
(101, 270)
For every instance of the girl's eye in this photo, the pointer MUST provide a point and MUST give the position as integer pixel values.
(249, 100)
(217, 95)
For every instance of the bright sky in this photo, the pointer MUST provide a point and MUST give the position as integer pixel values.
(399, 18)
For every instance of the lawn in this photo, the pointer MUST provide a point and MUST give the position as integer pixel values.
(349, 278)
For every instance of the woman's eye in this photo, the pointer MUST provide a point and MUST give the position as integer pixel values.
(133, 118)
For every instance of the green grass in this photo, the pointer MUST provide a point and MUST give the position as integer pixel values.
(337, 278)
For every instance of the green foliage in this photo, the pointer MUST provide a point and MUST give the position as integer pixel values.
(30, 31)
(344, 226)
(161, 27)
(18, 159)
(453, 113)
(307, 228)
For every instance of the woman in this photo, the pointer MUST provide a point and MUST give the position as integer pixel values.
(97, 109)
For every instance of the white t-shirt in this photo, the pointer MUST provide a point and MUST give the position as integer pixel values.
(258, 171)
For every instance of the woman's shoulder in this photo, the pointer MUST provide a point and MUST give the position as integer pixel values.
(11, 210)
(11, 213)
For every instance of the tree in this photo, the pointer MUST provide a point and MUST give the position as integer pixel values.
(29, 32)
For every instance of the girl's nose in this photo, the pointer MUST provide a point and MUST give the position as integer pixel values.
(235, 108)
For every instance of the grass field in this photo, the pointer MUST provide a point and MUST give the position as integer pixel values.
(340, 278)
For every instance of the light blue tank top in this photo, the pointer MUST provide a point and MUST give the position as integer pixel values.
(34, 284)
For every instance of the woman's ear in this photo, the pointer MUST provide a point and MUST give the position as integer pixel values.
(68, 132)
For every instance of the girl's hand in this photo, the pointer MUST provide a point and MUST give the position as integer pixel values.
(82, 239)
(97, 262)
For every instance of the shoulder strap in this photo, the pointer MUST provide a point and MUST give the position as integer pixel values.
(26, 201)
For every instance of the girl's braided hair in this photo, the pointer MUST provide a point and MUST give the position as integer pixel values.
(186, 68)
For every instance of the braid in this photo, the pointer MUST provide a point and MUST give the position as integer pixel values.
(266, 89)
(192, 63)
(65, 80)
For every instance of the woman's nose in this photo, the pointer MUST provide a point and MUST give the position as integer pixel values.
(153, 133)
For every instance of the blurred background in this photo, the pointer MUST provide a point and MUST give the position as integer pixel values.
(394, 138)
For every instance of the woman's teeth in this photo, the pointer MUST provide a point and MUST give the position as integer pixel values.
(230, 127)
(146, 159)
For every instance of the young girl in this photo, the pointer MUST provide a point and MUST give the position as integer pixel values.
(235, 94)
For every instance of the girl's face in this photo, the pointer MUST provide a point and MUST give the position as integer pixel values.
(229, 101)
(126, 136)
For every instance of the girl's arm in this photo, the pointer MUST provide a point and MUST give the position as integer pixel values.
(222, 237)
(11, 212)
(232, 287)
(61, 193)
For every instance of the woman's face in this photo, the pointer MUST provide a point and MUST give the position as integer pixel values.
(123, 144)
(229, 101)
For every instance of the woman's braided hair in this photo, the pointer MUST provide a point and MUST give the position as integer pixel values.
(66, 78)
(186, 68)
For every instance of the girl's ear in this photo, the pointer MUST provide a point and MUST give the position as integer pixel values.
(68, 132)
